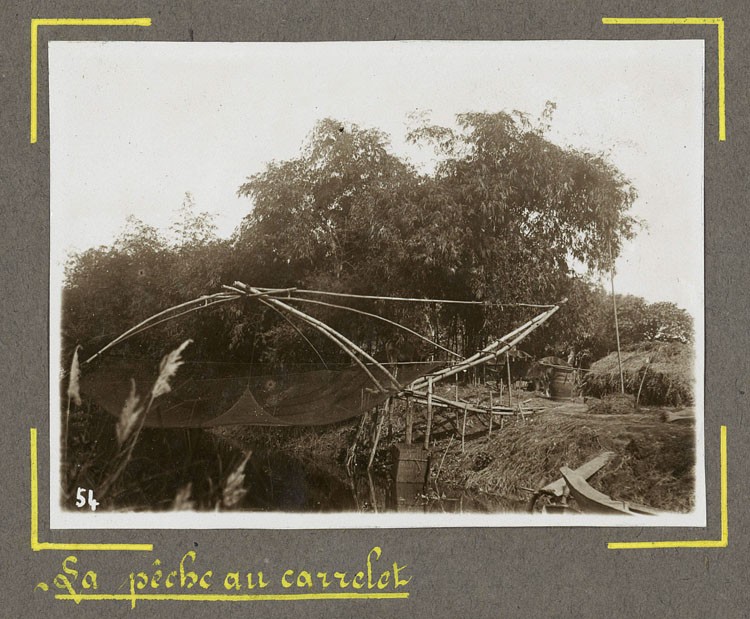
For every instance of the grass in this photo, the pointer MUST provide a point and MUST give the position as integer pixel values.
(653, 465)
(132, 467)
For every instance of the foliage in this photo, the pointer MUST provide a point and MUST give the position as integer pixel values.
(501, 218)
(110, 289)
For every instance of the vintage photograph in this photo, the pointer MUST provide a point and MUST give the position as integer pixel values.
(362, 284)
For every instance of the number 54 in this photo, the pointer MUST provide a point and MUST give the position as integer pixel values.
(81, 499)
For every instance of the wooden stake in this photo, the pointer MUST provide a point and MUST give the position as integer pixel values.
(429, 414)
(643, 379)
(614, 308)
(489, 432)
(373, 496)
(381, 418)
(463, 431)
(510, 391)
(352, 452)
(409, 421)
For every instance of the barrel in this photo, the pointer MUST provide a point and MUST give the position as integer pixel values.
(411, 463)
(562, 384)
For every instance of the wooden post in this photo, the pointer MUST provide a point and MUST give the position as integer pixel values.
(429, 414)
(463, 429)
(614, 308)
(510, 391)
(489, 432)
(379, 426)
(351, 456)
(409, 421)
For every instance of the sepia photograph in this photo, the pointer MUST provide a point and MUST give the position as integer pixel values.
(376, 284)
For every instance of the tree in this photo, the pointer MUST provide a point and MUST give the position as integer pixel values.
(191, 228)
(666, 322)
(500, 219)
(323, 212)
(107, 290)
(511, 210)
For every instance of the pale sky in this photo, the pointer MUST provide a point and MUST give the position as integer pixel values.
(136, 125)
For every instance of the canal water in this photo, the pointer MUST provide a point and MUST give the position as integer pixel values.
(279, 482)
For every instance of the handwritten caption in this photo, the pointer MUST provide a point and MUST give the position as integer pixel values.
(186, 580)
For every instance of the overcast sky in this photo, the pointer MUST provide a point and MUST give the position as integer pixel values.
(136, 125)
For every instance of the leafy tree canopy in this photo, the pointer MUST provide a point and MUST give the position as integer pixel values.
(500, 217)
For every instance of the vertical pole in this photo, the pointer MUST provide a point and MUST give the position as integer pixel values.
(463, 429)
(409, 421)
(429, 414)
(510, 391)
(614, 307)
(489, 432)
(379, 427)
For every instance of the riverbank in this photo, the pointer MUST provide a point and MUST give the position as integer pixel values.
(653, 462)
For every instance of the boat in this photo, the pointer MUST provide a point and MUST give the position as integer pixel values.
(591, 501)
(557, 489)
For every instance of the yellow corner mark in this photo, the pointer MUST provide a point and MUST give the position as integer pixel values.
(719, 543)
(688, 21)
(228, 597)
(35, 23)
(36, 545)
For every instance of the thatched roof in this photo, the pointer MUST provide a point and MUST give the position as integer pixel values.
(669, 369)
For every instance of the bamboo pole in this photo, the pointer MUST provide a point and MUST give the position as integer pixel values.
(489, 432)
(643, 380)
(440, 402)
(351, 456)
(409, 421)
(614, 308)
(463, 430)
(199, 303)
(299, 332)
(379, 427)
(510, 391)
(373, 496)
(429, 414)
(391, 322)
(494, 350)
(408, 299)
(332, 334)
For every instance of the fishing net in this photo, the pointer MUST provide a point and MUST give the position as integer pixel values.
(215, 394)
